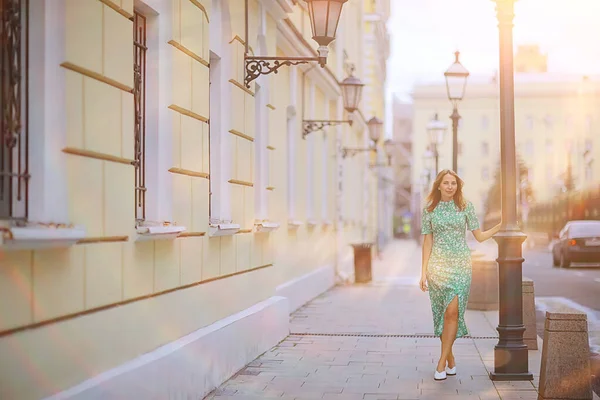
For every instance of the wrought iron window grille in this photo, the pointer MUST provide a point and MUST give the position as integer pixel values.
(14, 154)
(139, 97)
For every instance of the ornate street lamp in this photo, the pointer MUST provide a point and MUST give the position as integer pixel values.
(324, 18)
(511, 361)
(352, 89)
(351, 94)
(456, 83)
(375, 126)
(436, 130)
(388, 147)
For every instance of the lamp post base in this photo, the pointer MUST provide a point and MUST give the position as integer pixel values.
(510, 377)
(509, 360)
(511, 357)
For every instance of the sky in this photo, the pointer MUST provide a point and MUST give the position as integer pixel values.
(426, 33)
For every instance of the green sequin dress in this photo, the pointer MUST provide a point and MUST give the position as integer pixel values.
(449, 268)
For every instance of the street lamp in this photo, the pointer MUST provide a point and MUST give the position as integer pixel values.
(511, 361)
(324, 17)
(436, 130)
(388, 148)
(375, 126)
(456, 83)
(351, 94)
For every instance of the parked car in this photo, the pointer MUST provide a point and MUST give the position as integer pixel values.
(578, 241)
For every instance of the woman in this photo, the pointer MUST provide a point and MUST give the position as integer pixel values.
(446, 268)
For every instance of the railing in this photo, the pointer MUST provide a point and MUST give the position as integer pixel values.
(14, 173)
(139, 98)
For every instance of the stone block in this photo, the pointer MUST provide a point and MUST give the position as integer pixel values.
(484, 286)
(529, 318)
(565, 367)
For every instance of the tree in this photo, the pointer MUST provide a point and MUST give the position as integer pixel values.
(493, 205)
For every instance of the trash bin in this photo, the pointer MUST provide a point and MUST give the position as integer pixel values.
(362, 262)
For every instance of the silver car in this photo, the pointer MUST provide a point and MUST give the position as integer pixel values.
(577, 242)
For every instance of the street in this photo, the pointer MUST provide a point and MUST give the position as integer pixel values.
(576, 287)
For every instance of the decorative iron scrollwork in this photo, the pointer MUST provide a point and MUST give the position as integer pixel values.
(257, 66)
(310, 126)
(14, 162)
(352, 152)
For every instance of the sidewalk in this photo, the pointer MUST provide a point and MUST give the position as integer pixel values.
(376, 341)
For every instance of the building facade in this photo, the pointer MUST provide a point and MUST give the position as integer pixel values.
(402, 135)
(556, 120)
(162, 219)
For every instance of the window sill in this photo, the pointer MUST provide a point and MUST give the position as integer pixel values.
(35, 237)
(311, 223)
(294, 224)
(147, 232)
(266, 226)
(216, 230)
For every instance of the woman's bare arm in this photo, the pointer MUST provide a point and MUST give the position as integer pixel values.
(483, 236)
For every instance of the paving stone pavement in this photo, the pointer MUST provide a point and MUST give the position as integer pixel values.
(374, 342)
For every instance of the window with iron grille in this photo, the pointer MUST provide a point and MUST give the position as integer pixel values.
(14, 173)
(139, 97)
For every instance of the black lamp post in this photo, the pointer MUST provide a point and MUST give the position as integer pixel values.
(456, 83)
(436, 130)
(511, 361)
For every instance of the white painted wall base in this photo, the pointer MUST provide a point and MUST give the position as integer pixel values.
(301, 290)
(196, 364)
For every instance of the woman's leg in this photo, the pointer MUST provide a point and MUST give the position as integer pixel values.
(449, 335)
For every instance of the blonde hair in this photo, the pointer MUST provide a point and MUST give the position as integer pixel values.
(435, 195)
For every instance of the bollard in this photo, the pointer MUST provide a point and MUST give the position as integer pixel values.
(484, 285)
(565, 368)
(529, 319)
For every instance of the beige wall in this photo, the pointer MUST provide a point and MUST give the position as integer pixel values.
(59, 325)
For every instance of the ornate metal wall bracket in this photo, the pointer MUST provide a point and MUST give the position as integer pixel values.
(313, 125)
(256, 66)
(352, 152)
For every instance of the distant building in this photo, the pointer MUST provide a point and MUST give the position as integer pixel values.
(403, 135)
(555, 115)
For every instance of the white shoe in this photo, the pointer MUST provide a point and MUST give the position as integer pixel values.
(451, 371)
(439, 376)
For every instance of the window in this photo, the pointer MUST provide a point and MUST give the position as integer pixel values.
(529, 122)
(261, 134)
(219, 114)
(292, 137)
(549, 173)
(485, 173)
(529, 148)
(549, 146)
(460, 148)
(548, 122)
(485, 148)
(139, 99)
(589, 171)
(485, 122)
(588, 124)
(14, 79)
(569, 122)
